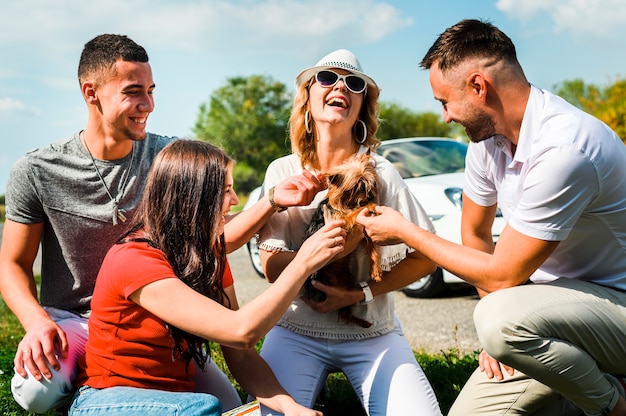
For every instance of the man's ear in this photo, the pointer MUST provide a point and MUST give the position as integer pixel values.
(89, 92)
(476, 83)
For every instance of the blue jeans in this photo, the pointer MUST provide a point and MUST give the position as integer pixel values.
(132, 401)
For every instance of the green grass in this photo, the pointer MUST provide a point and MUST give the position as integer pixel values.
(447, 372)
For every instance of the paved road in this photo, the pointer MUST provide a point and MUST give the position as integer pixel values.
(433, 325)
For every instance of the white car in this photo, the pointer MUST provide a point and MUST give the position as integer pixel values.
(433, 169)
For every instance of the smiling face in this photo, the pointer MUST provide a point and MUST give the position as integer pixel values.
(124, 100)
(459, 104)
(334, 105)
(230, 199)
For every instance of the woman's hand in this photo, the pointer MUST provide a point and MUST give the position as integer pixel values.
(336, 297)
(321, 247)
(298, 190)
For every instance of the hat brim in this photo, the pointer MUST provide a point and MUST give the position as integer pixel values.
(308, 73)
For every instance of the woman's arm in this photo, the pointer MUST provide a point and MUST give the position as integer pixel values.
(297, 190)
(179, 305)
(257, 378)
(412, 268)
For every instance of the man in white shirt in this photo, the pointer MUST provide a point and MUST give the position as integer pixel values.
(554, 308)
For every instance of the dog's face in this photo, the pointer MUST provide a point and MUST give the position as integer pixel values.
(353, 184)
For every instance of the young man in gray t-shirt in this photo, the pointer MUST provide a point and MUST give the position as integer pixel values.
(74, 197)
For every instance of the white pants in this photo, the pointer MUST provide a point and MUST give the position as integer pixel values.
(41, 396)
(382, 370)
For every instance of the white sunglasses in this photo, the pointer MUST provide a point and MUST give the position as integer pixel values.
(327, 78)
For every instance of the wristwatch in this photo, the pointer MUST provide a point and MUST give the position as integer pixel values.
(367, 292)
(277, 208)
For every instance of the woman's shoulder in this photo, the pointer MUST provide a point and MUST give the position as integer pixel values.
(290, 160)
(282, 168)
(134, 252)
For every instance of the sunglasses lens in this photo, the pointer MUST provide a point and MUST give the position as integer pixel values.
(326, 78)
(355, 84)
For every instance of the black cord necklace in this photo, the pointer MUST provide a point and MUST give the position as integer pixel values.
(117, 214)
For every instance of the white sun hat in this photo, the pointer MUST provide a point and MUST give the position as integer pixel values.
(341, 59)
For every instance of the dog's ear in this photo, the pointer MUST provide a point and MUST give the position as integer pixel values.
(335, 179)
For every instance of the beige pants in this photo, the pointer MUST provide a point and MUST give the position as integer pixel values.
(564, 336)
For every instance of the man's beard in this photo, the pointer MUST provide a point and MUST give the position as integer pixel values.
(479, 126)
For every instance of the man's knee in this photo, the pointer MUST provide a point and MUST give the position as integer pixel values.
(40, 396)
(494, 315)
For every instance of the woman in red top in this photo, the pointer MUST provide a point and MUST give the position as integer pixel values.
(166, 289)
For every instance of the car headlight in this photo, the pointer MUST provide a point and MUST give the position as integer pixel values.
(455, 195)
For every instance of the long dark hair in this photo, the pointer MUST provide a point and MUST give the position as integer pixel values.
(179, 214)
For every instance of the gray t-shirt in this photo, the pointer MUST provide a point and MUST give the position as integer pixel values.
(57, 185)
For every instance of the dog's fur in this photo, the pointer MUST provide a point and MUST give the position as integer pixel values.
(352, 186)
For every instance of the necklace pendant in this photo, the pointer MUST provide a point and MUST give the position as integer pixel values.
(121, 216)
(115, 214)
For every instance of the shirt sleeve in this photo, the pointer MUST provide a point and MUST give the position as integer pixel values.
(23, 204)
(227, 279)
(479, 186)
(138, 265)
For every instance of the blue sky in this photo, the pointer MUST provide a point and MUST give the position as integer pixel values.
(195, 45)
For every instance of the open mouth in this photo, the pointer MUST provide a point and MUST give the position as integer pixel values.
(337, 102)
(139, 120)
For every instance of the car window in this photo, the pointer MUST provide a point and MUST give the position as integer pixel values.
(417, 158)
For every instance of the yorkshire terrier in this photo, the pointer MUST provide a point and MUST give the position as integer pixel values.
(352, 186)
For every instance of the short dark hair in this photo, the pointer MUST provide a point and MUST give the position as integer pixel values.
(100, 54)
(470, 38)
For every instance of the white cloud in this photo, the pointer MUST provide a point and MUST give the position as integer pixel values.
(602, 18)
(203, 25)
(10, 107)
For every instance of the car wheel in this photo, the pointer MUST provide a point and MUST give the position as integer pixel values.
(255, 256)
(427, 287)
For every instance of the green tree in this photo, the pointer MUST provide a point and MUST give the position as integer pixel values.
(248, 118)
(608, 103)
(397, 121)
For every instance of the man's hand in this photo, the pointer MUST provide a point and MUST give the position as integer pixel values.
(39, 348)
(492, 367)
(298, 190)
(382, 225)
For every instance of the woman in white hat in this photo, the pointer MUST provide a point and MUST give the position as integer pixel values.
(335, 116)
